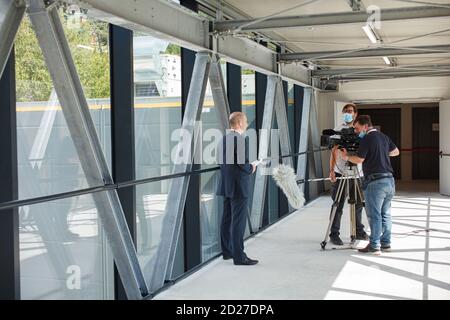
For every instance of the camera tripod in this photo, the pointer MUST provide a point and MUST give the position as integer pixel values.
(350, 174)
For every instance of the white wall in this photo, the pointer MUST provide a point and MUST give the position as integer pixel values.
(402, 90)
(444, 141)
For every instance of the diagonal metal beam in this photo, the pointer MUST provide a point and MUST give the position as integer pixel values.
(315, 138)
(259, 193)
(332, 19)
(170, 230)
(304, 135)
(11, 14)
(219, 94)
(364, 53)
(283, 127)
(53, 43)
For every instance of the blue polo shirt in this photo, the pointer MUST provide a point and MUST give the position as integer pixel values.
(375, 148)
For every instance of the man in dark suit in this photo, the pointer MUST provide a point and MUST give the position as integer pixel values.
(235, 171)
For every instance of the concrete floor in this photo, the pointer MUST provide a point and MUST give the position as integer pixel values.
(292, 266)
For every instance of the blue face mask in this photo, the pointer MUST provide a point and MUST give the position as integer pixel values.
(362, 134)
(347, 117)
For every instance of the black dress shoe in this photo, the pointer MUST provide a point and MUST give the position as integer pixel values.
(336, 240)
(246, 262)
(227, 257)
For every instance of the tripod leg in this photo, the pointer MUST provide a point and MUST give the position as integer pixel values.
(334, 208)
(352, 223)
(352, 202)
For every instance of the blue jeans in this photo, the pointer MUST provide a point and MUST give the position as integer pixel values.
(379, 194)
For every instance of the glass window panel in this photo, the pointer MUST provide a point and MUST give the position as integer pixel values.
(151, 201)
(211, 210)
(48, 161)
(62, 251)
(157, 104)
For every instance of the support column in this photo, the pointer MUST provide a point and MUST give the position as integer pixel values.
(234, 87)
(9, 219)
(122, 127)
(298, 103)
(406, 142)
(191, 217)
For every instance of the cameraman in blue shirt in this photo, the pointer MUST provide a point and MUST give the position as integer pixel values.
(337, 170)
(374, 151)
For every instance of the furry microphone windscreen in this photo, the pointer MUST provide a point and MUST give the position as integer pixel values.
(285, 178)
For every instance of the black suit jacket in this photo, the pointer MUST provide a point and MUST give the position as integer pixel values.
(235, 169)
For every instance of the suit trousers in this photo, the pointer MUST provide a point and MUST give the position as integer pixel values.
(232, 228)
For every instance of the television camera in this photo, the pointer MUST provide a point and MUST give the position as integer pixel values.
(346, 138)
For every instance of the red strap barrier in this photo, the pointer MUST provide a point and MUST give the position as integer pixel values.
(421, 150)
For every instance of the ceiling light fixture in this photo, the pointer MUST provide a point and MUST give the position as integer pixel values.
(370, 33)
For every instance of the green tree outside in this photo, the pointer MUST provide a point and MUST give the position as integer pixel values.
(89, 47)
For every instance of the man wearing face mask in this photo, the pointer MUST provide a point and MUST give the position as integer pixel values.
(374, 151)
(337, 168)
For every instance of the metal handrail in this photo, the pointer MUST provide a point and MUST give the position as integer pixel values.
(116, 186)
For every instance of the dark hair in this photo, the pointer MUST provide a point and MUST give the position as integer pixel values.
(350, 105)
(363, 120)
